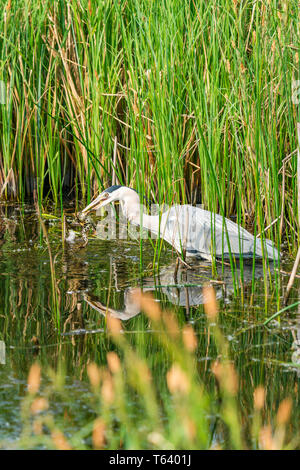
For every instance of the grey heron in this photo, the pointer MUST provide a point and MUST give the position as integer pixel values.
(189, 229)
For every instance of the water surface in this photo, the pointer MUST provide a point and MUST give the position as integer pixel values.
(100, 276)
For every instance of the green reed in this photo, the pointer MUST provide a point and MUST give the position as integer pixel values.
(197, 94)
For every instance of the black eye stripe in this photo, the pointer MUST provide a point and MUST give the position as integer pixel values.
(113, 188)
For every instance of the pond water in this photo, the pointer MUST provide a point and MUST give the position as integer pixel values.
(101, 275)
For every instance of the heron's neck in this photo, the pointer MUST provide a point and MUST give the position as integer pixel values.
(137, 216)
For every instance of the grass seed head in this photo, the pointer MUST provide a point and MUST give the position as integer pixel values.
(226, 376)
(60, 441)
(94, 374)
(259, 398)
(177, 380)
(98, 435)
(171, 324)
(113, 361)
(189, 338)
(284, 411)
(34, 378)
(107, 389)
(114, 325)
(148, 304)
(210, 302)
(39, 405)
(266, 439)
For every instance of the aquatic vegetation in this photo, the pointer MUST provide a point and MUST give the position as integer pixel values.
(187, 102)
(205, 111)
(178, 412)
(162, 381)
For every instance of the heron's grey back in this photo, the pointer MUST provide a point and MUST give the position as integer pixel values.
(203, 233)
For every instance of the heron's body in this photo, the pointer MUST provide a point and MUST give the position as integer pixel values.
(195, 231)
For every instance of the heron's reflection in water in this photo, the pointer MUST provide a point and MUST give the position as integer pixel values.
(131, 307)
(187, 292)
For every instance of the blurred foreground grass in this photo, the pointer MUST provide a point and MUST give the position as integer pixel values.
(175, 415)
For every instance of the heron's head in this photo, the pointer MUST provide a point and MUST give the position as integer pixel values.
(114, 193)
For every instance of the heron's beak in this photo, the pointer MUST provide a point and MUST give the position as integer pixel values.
(100, 201)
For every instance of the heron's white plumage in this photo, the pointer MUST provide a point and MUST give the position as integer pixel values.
(203, 233)
(196, 231)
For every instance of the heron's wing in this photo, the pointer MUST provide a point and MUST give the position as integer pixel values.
(230, 237)
(204, 233)
(184, 228)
